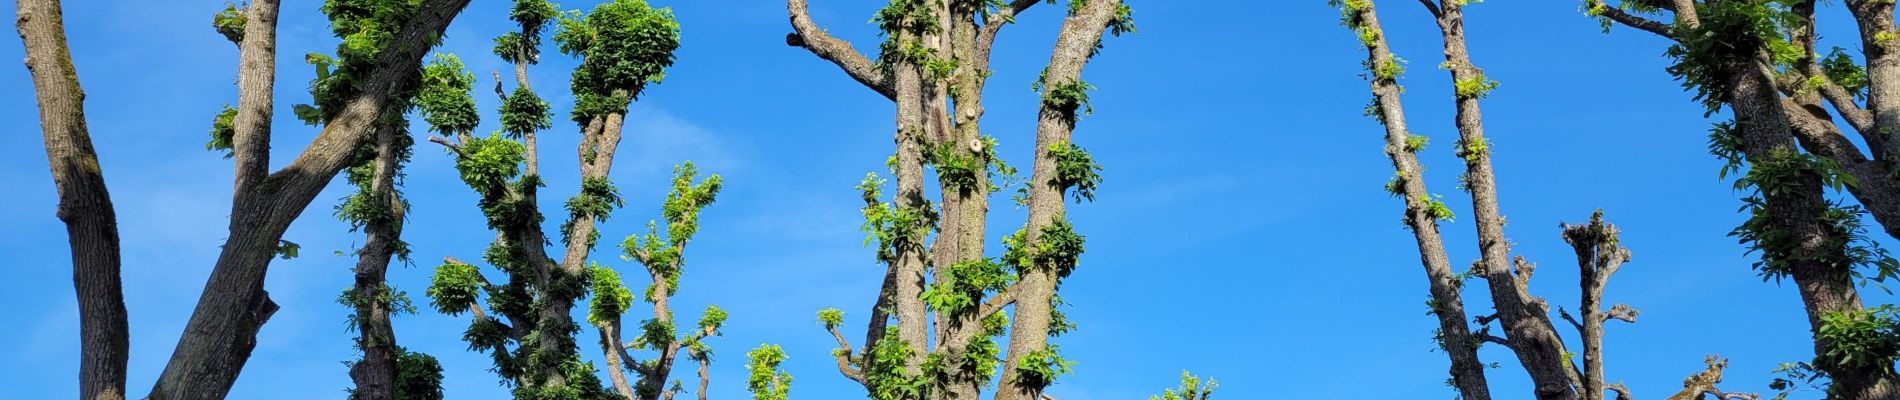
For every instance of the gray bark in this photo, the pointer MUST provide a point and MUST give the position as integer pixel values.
(1599, 255)
(1525, 318)
(1075, 43)
(1454, 334)
(223, 328)
(375, 373)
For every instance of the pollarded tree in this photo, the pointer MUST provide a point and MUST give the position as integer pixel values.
(386, 370)
(223, 328)
(1760, 60)
(1525, 318)
(664, 258)
(623, 45)
(947, 295)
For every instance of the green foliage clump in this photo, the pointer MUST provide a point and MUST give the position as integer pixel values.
(523, 112)
(958, 167)
(764, 379)
(418, 376)
(1860, 339)
(1731, 36)
(1847, 248)
(1842, 70)
(1039, 368)
(903, 23)
(597, 200)
(443, 97)
(455, 288)
(366, 28)
(396, 301)
(611, 297)
(965, 284)
(1476, 87)
(223, 129)
(1056, 249)
(623, 46)
(1075, 169)
(831, 317)
(889, 226)
(886, 376)
(1416, 143)
(1191, 389)
(1066, 97)
(525, 46)
(230, 22)
(1435, 207)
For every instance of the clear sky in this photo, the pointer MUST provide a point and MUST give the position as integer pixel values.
(1242, 231)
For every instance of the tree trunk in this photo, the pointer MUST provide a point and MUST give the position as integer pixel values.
(85, 205)
(375, 374)
(223, 328)
(1454, 334)
(1526, 319)
(1029, 332)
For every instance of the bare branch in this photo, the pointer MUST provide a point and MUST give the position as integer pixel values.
(1622, 391)
(1704, 383)
(997, 302)
(1433, 7)
(1632, 20)
(1620, 312)
(808, 35)
(1494, 339)
(1566, 316)
(446, 143)
(843, 353)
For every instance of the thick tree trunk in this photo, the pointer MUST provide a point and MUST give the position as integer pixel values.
(84, 203)
(1080, 33)
(223, 328)
(1825, 287)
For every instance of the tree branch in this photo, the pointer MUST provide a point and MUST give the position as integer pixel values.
(85, 204)
(997, 302)
(1622, 391)
(1620, 312)
(1433, 8)
(1704, 383)
(808, 35)
(257, 71)
(1631, 20)
(843, 353)
(1573, 321)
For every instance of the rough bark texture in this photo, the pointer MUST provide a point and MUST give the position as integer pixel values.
(965, 209)
(1525, 318)
(1770, 124)
(1599, 255)
(610, 344)
(1075, 43)
(1454, 334)
(807, 34)
(375, 373)
(223, 328)
(85, 206)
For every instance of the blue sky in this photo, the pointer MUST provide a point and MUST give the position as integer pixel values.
(1241, 232)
